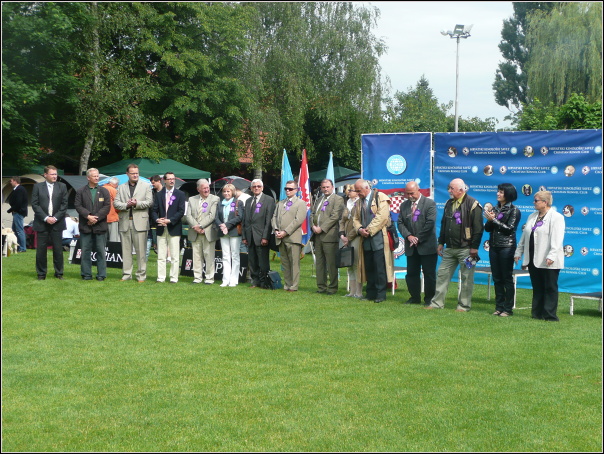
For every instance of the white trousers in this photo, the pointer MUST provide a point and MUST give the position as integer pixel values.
(167, 243)
(204, 252)
(230, 246)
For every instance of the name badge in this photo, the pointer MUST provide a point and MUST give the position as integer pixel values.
(101, 199)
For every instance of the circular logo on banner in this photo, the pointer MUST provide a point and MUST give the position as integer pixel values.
(396, 164)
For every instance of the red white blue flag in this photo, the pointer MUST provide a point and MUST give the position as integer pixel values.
(304, 194)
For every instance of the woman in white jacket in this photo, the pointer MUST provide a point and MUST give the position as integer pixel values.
(542, 246)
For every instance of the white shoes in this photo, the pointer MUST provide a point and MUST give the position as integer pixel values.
(224, 284)
(232, 285)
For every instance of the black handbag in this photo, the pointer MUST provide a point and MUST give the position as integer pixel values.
(393, 235)
(345, 257)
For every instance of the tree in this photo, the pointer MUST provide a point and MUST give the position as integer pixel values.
(418, 110)
(511, 82)
(576, 113)
(566, 52)
(313, 77)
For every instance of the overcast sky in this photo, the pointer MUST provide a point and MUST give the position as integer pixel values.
(411, 31)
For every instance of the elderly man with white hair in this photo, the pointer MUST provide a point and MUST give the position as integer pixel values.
(259, 210)
(461, 231)
(203, 234)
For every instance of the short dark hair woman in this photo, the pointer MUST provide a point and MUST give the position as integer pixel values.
(502, 223)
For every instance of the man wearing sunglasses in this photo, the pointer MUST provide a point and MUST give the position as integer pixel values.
(287, 223)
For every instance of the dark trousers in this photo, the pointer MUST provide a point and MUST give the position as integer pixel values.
(545, 292)
(49, 238)
(258, 261)
(93, 242)
(502, 268)
(416, 264)
(375, 270)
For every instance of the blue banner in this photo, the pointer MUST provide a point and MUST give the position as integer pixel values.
(566, 163)
(390, 161)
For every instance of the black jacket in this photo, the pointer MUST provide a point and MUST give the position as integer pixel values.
(18, 201)
(503, 227)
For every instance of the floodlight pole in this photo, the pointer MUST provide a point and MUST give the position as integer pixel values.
(459, 32)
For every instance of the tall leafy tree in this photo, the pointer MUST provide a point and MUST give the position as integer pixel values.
(313, 74)
(511, 81)
(566, 52)
(418, 110)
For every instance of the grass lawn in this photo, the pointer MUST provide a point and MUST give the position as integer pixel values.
(123, 366)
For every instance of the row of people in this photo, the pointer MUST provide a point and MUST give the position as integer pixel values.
(360, 219)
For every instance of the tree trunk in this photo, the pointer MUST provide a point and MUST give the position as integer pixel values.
(85, 156)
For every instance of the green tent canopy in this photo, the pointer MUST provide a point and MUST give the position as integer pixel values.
(147, 168)
(338, 172)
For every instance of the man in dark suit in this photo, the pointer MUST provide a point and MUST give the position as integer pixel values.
(49, 203)
(326, 215)
(168, 210)
(259, 210)
(417, 224)
(93, 204)
(18, 207)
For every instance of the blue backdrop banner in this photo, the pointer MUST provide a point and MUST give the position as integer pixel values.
(566, 163)
(390, 161)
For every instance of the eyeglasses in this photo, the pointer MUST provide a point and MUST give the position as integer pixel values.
(352, 190)
(256, 186)
(537, 200)
(290, 189)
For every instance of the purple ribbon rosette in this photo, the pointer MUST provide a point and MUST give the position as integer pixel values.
(416, 214)
(258, 206)
(288, 205)
(324, 205)
(457, 216)
(232, 206)
(500, 216)
(204, 207)
(172, 199)
(537, 224)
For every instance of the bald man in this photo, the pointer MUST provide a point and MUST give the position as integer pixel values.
(417, 224)
(460, 236)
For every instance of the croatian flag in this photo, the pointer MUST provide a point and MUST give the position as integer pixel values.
(304, 194)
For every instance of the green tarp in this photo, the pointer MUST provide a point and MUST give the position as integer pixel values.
(338, 172)
(147, 168)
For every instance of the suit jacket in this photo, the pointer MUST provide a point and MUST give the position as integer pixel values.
(140, 212)
(234, 217)
(100, 207)
(548, 241)
(202, 216)
(175, 212)
(346, 225)
(39, 204)
(329, 220)
(257, 226)
(290, 220)
(424, 227)
(18, 201)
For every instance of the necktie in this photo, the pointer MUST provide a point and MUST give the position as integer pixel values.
(168, 195)
(413, 208)
(50, 207)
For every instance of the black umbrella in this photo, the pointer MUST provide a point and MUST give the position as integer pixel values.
(238, 182)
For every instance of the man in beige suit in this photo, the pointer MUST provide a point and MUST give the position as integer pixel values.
(133, 200)
(326, 215)
(200, 216)
(287, 223)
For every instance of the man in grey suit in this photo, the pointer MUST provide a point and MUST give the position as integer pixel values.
(417, 224)
(49, 204)
(256, 224)
(93, 204)
(289, 215)
(203, 234)
(326, 215)
(133, 200)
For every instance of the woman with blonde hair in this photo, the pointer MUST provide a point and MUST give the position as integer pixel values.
(228, 216)
(349, 237)
(542, 244)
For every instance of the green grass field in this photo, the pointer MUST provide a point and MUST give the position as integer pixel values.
(123, 366)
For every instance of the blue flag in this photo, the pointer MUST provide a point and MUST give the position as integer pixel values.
(330, 174)
(286, 174)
